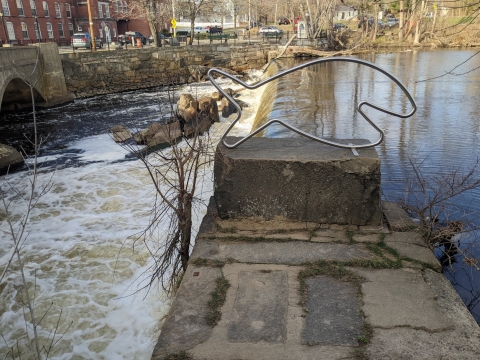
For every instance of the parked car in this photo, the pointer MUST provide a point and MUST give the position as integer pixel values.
(214, 29)
(283, 21)
(129, 35)
(84, 41)
(339, 26)
(201, 29)
(270, 29)
(162, 38)
(392, 22)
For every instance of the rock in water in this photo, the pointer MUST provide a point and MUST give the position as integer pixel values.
(9, 157)
(120, 133)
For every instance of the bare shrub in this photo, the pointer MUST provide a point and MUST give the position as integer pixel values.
(177, 165)
(434, 201)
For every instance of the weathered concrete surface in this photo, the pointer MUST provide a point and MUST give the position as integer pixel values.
(287, 252)
(260, 307)
(411, 245)
(397, 218)
(461, 342)
(39, 65)
(414, 313)
(185, 324)
(400, 298)
(220, 347)
(331, 305)
(299, 179)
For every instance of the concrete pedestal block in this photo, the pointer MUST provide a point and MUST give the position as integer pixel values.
(298, 179)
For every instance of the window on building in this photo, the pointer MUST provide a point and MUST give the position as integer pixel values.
(68, 11)
(114, 32)
(20, 8)
(33, 6)
(45, 9)
(24, 30)
(38, 34)
(79, 28)
(11, 31)
(125, 6)
(70, 29)
(60, 30)
(107, 11)
(50, 31)
(58, 13)
(115, 4)
(100, 10)
(6, 9)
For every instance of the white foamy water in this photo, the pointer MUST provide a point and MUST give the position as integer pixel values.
(79, 254)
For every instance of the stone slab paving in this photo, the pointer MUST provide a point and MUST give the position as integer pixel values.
(397, 218)
(413, 312)
(400, 298)
(260, 308)
(333, 313)
(462, 341)
(263, 334)
(411, 245)
(185, 325)
(264, 252)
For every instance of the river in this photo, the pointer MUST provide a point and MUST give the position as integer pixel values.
(79, 252)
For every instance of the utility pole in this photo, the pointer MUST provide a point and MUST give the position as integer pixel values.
(90, 21)
(173, 17)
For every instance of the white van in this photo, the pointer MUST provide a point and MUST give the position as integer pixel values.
(200, 29)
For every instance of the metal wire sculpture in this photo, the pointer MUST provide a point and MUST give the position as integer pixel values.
(212, 71)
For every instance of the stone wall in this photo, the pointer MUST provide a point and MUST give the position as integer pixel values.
(93, 73)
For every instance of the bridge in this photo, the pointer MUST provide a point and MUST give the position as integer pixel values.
(37, 66)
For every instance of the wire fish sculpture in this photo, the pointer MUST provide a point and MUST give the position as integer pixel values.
(362, 104)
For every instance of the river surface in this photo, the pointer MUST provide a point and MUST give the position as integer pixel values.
(79, 254)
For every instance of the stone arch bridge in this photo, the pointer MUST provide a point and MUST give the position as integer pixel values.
(39, 66)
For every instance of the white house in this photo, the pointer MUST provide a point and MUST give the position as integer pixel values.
(343, 12)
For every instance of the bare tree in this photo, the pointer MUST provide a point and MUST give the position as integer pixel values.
(155, 12)
(433, 201)
(178, 159)
(191, 9)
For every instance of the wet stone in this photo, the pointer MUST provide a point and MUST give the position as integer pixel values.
(261, 308)
(333, 313)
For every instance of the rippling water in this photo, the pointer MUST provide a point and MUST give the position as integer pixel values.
(78, 252)
(444, 133)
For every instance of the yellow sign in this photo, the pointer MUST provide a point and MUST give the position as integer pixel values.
(174, 23)
(435, 7)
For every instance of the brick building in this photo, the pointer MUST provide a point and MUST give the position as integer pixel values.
(24, 22)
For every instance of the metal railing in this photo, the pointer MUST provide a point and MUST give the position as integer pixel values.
(360, 106)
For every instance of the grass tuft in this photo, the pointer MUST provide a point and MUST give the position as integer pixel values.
(219, 296)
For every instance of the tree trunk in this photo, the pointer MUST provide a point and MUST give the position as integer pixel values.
(185, 225)
(401, 23)
(375, 25)
(153, 28)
